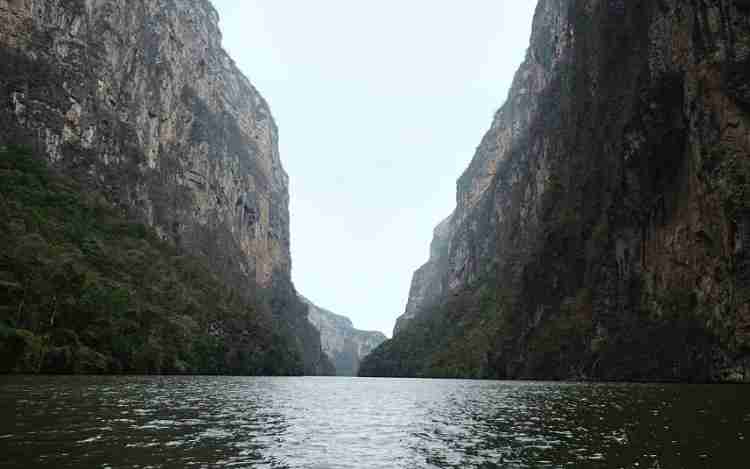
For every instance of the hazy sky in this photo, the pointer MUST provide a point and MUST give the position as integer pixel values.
(380, 105)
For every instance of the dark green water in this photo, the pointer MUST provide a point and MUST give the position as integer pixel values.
(88, 422)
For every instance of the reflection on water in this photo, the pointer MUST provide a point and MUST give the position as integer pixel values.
(329, 423)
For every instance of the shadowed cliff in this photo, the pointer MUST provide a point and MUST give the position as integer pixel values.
(602, 228)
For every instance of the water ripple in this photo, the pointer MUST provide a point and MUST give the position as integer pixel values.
(289, 423)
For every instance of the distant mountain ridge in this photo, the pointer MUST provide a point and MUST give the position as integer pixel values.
(344, 345)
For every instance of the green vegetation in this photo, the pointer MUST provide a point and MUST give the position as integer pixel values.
(734, 182)
(453, 340)
(84, 290)
(559, 347)
(479, 333)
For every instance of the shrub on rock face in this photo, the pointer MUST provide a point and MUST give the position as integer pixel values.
(85, 290)
(20, 351)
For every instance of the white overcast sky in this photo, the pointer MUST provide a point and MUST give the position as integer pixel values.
(380, 105)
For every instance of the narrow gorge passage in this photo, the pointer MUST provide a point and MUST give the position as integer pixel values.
(171, 294)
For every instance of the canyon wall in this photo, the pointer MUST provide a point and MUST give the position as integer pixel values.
(602, 227)
(344, 345)
(138, 100)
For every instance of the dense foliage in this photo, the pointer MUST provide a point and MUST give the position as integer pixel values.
(449, 340)
(85, 290)
(478, 334)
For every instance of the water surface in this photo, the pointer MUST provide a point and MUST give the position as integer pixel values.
(328, 423)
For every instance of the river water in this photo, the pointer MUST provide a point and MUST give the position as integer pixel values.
(328, 423)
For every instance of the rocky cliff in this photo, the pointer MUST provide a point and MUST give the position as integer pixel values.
(426, 285)
(344, 345)
(138, 100)
(602, 227)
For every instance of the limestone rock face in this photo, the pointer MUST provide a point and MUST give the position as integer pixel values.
(601, 229)
(461, 240)
(344, 345)
(426, 284)
(140, 100)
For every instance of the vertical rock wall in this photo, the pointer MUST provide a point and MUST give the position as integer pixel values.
(344, 345)
(139, 100)
(601, 228)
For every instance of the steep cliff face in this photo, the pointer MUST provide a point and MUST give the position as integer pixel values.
(601, 229)
(139, 100)
(426, 285)
(344, 345)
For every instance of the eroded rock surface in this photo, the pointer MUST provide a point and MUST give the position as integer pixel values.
(344, 345)
(601, 230)
(139, 100)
